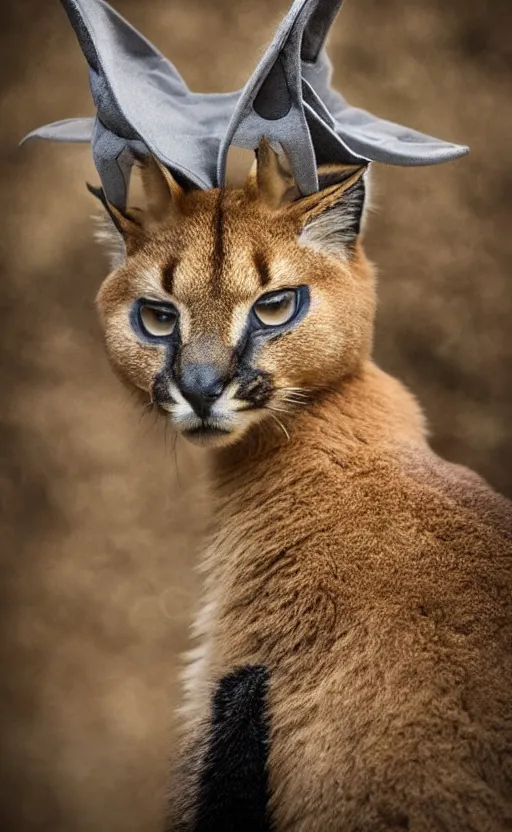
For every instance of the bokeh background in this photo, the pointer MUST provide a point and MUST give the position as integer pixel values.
(101, 512)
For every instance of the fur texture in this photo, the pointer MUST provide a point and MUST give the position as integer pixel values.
(371, 579)
(233, 788)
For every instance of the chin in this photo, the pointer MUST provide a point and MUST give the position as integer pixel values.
(206, 436)
(218, 432)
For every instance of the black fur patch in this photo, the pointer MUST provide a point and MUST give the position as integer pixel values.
(168, 274)
(233, 788)
(261, 264)
(218, 248)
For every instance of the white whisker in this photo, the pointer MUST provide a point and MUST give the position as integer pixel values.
(293, 395)
(278, 422)
(299, 390)
(279, 409)
(290, 400)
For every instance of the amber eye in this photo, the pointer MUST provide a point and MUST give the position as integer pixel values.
(158, 321)
(276, 308)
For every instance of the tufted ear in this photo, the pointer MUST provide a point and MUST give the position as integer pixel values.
(270, 179)
(328, 220)
(123, 232)
(331, 219)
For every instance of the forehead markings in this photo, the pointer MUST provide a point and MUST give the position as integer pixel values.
(218, 252)
(262, 267)
(167, 274)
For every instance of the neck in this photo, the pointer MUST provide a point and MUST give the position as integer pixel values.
(370, 412)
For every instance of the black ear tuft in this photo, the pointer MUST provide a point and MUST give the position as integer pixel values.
(99, 193)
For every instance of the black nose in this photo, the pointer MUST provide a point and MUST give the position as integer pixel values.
(201, 384)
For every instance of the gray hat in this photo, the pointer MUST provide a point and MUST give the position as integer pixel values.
(143, 104)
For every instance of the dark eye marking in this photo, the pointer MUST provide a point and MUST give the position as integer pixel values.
(262, 268)
(168, 274)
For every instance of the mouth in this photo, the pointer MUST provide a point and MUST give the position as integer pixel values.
(227, 422)
(206, 434)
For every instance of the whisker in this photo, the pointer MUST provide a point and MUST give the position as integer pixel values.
(291, 400)
(299, 391)
(175, 453)
(156, 419)
(278, 422)
(293, 395)
(145, 408)
(279, 409)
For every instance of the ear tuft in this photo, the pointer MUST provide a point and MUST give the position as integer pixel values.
(161, 195)
(121, 233)
(331, 219)
(99, 194)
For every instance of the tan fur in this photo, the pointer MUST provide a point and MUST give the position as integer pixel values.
(374, 580)
(371, 578)
(270, 181)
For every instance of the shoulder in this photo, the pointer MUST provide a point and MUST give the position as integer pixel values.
(457, 489)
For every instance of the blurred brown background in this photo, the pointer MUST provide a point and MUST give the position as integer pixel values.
(99, 532)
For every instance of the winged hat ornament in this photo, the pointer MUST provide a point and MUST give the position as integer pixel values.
(144, 105)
